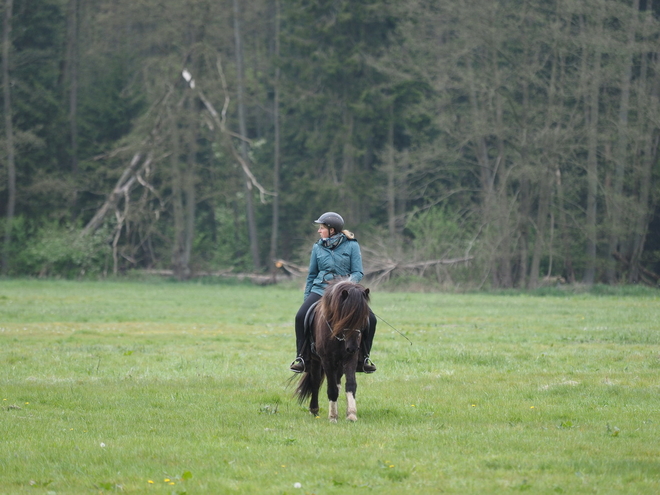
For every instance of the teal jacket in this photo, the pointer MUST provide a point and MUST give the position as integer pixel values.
(344, 260)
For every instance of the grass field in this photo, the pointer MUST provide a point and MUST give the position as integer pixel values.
(111, 387)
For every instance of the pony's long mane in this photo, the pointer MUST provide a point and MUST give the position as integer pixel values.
(345, 305)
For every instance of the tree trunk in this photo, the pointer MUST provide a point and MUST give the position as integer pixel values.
(591, 118)
(546, 183)
(488, 200)
(500, 182)
(72, 66)
(622, 148)
(178, 241)
(566, 236)
(249, 200)
(190, 198)
(9, 135)
(541, 222)
(525, 196)
(643, 217)
(348, 196)
(649, 104)
(276, 158)
(391, 170)
(184, 142)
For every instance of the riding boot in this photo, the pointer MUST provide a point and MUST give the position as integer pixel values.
(302, 342)
(364, 363)
(302, 337)
(298, 364)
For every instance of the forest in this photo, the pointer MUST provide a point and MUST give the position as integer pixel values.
(473, 143)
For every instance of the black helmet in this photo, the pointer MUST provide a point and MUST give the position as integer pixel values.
(332, 220)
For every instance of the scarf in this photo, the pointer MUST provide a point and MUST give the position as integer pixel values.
(334, 241)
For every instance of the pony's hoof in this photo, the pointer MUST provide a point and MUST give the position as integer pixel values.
(351, 417)
(333, 420)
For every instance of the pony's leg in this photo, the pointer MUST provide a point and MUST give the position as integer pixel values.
(317, 375)
(333, 394)
(332, 411)
(314, 403)
(351, 389)
(351, 407)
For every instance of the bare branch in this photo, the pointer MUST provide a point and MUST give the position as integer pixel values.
(221, 119)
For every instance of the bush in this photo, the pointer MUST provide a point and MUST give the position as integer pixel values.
(55, 250)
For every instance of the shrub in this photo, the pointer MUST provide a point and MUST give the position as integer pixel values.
(56, 250)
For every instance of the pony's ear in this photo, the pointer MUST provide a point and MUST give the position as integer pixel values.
(344, 294)
(366, 292)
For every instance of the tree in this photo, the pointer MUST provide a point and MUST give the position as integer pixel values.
(252, 226)
(276, 142)
(72, 61)
(9, 133)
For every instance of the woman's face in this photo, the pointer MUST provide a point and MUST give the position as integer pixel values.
(323, 231)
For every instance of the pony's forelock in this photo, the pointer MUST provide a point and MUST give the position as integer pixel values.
(345, 305)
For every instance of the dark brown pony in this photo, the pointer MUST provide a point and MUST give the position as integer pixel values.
(340, 316)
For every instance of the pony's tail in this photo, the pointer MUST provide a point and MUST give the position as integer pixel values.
(306, 387)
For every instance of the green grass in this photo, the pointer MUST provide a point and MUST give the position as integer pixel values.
(108, 386)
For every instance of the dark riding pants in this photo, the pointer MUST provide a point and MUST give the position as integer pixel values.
(302, 339)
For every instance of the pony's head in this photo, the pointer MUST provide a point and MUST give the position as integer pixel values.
(345, 306)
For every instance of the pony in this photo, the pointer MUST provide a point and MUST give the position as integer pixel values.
(336, 331)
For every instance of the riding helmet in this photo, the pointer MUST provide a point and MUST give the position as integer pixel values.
(332, 220)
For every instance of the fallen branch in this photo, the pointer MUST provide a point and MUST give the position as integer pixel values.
(390, 265)
(291, 268)
(382, 269)
(122, 188)
(253, 277)
(426, 264)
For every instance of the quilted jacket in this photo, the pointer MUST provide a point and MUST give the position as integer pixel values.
(344, 260)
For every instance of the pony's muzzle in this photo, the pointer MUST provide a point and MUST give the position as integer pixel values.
(352, 345)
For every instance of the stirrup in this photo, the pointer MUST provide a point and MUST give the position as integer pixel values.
(368, 366)
(298, 365)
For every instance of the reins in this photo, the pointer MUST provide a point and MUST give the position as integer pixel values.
(360, 331)
(393, 328)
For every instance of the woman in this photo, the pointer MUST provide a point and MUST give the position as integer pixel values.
(336, 254)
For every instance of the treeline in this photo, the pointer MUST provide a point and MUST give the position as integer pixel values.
(206, 135)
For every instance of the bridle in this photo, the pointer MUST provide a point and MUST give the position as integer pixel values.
(343, 334)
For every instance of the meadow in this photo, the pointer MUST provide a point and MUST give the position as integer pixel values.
(160, 387)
